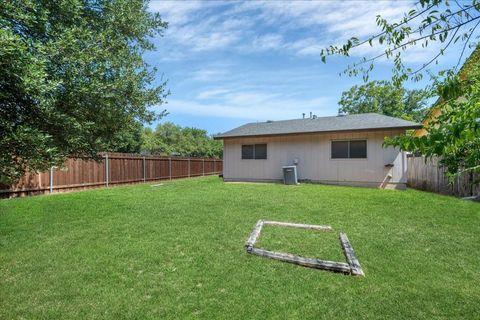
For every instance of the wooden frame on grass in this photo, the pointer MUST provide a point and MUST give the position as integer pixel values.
(352, 267)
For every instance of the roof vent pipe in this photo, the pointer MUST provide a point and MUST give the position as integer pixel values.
(303, 115)
(310, 114)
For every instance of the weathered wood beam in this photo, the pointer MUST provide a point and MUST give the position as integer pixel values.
(254, 235)
(299, 225)
(303, 261)
(352, 260)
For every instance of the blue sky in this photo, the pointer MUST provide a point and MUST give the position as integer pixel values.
(228, 63)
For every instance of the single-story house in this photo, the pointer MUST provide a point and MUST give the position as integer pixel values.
(343, 150)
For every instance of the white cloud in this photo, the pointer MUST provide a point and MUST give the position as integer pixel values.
(201, 37)
(323, 23)
(208, 74)
(214, 40)
(346, 18)
(268, 42)
(176, 13)
(206, 26)
(208, 94)
(253, 105)
(192, 25)
(307, 46)
(336, 22)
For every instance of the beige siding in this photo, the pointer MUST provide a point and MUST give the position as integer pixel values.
(313, 152)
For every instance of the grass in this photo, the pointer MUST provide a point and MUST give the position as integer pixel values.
(176, 251)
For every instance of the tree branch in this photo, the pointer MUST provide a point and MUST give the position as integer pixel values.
(417, 30)
(400, 24)
(415, 40)
(465, 44)
(437, 55)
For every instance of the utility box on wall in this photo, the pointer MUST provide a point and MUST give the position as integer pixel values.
(290, 175)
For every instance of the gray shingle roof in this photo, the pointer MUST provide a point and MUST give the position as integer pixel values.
(364, 121)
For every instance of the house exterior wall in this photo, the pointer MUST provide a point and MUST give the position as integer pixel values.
(315, 164)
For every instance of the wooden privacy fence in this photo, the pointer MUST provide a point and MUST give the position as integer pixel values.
(430, 176)
(115, 168)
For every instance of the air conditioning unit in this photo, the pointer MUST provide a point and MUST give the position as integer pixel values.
(290, 175)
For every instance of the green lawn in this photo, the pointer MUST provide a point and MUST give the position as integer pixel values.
(176, 251)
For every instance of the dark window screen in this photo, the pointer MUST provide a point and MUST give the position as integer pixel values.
(260, 151)
(358, 149)
(339, 149)
(247, 151)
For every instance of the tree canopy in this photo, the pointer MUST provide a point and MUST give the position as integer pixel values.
(385, 98)
(171, 139)
(128, 140)
(72, 78)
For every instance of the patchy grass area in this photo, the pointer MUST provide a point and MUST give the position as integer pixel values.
(176, 251)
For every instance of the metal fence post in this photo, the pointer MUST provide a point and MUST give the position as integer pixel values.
(51, 179)
(170, 168)
(214, 166)
(106, 169)
(203, 166)
(144, 170)
(188, 163)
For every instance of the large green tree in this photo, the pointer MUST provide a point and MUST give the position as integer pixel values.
(128, 140)
(385, 98)
(171, 139)
(454, 136)
(72, 78)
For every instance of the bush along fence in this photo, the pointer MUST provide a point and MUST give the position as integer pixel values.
(430, 176)
(114, 169)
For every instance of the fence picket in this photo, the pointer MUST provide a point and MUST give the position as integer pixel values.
(430, 176)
